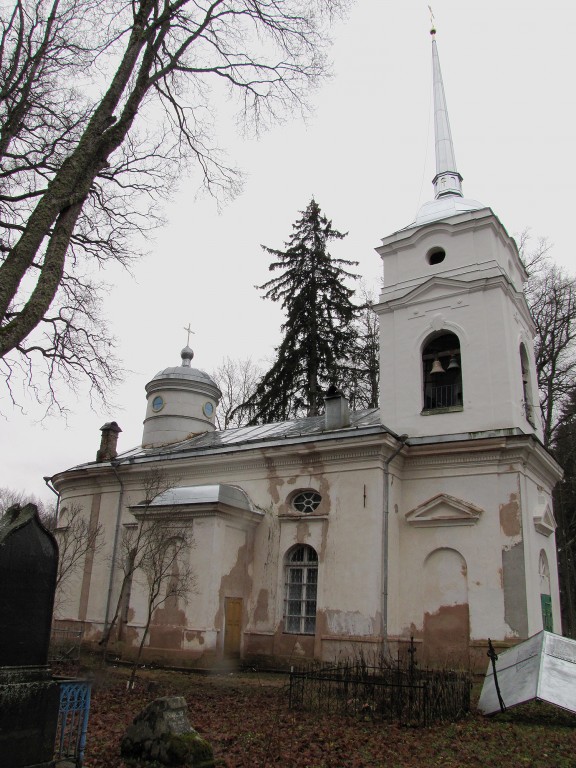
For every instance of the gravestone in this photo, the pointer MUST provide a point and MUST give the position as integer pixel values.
(29, 698)
(162, 733)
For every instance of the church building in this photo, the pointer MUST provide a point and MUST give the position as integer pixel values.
(430, 517)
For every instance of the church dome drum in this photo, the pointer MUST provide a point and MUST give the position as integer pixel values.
(181, 401)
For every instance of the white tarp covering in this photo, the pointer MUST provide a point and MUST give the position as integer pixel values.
(542, 667)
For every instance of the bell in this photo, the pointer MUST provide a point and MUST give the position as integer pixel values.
(453, 364)
(437, 366)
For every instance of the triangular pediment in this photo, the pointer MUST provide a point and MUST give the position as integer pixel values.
(443, 510)
(544, 520)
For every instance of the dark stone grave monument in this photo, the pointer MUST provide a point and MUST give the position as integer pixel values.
(29, 698)
(162, 733)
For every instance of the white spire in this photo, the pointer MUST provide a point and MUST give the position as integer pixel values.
(447, 180)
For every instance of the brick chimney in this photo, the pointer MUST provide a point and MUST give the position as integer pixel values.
(337, 411)
(108, 442)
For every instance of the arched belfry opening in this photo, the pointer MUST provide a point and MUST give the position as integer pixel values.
(526, 386)
(442, 373)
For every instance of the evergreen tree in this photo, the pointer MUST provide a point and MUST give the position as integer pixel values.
(361, 384)
(564, 449)
(319, 330)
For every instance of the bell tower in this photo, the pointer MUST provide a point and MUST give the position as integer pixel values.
(456, 335)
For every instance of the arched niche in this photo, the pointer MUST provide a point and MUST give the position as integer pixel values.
(446, 611)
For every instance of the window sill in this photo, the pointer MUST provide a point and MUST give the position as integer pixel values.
(448, 409)
(302, 516)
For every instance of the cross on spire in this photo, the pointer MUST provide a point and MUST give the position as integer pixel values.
(188, 331)
(432, 25)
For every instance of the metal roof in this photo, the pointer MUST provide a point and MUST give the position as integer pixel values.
(312, 425)
(201, 494)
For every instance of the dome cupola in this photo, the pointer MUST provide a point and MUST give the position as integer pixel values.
(181, 402)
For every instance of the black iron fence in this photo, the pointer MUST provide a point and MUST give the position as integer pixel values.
(64, 650)
(385, 690)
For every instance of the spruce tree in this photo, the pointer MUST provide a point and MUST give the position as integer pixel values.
(564, 450)
(319, 334)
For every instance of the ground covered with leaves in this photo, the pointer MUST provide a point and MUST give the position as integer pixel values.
(246, 719)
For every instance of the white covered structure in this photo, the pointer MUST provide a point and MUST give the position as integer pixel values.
(430, 517)
(542, 668)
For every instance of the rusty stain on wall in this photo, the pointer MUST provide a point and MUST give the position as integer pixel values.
(510, 520)
(446, 634)
(274, 482)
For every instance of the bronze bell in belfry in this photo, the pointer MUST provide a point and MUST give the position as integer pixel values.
(437, 366)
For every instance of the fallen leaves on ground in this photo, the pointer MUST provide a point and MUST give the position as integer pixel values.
(246, 719)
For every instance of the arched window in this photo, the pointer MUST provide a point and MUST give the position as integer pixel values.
(441, 366)
(526, 385)
(301, 573)
(545, 598)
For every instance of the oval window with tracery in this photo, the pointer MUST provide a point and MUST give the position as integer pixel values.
(306, 501)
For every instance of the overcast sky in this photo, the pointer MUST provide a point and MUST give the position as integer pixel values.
(366, 154)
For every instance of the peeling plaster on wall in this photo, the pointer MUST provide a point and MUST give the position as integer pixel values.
(302, 532)
(261, 609)
(311, 462)
(349, 623)
(515, 606)
(289, 645)
(446, 625)
(446, 634)
(194, 637)
(412, 631)
(274, 482)
(311, 474)
(236, 583)
(167, 627)
(510, 520)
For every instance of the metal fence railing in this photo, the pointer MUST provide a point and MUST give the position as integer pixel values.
(72, 721)
(392, 691)
(64, 650)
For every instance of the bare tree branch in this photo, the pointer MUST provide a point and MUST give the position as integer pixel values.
(78, 177)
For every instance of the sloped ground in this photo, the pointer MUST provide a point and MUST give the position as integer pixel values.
(247, 721)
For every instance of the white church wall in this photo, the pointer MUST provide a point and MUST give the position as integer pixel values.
(539, 526)
(470, 504)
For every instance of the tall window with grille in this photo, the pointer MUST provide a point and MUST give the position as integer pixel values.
(301, 572)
